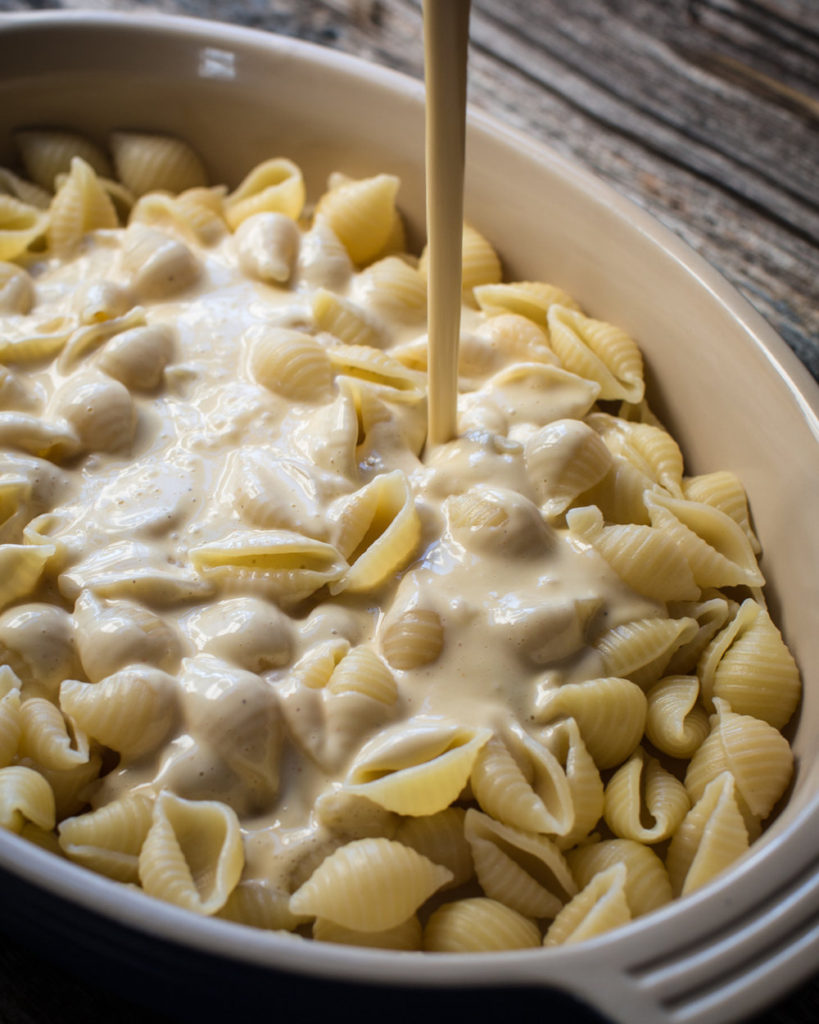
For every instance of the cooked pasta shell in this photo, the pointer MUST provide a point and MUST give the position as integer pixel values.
(246, 631)
(109, 839)
(710, 839)
(565, 741)
(532, 299)
(391, 380)
(417, 768)
(275, 186)
(41, 837)
(16, 289)
(150, 163)
(259, 904)
(291, 363)
(601, 906)
(280, 564)
(37, 640)
(675, 723)
(715, 547)
(72, 788)
(524, 871)
(99, 301)
(48, 153)
(644, 802)
(267, 245)
(377, 530)
(413, 638)
(394, 288)
(323, 262)
(620, 495)
(192, 855)
(405, 936)
(195, 213)
(711, 614)
(362, 215)
(275, 493)
(609, 712)
(647, 883)
(27, 433)
(346, 320)
(497, 520)
(80, 205)
(748, 665)
(99, 409)
(478, 925)
(11, 725)
(598, 351)
(131, 711)
(330, 435)
(158, 266)
(649, 449)
(369, 885)
(91, 336)
(520, 782)
(137, 357)
(724, 491)
(757, 755)
(36, 341)
(564, 459)
(534, 394)
(440, 837)
(351, 816)
(362, 671)
(512, 338)
(640, 650)
(20, 225)
(25, 796)
(48, 738)
(21, 566)
(26, 191)
(315, 668)
(644, 557)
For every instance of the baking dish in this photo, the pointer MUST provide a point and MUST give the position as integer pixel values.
(726, 386)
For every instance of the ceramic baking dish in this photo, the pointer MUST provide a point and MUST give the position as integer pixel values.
(725, 385)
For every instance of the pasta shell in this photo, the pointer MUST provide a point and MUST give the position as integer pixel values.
(377, 530)
(369, 885)
(601, 906)
(362, 215)
(16, 289)
(195, 213)
(323, 262)
(275, 186)
(565, 741)
(131, 711)
(10, 723)
(647, 883)
(138, 357)
(275, 493)
(715, 547)
(640, 650)
(651, 450)
(710, 839)
(418, 768)
(99, 409)
(440, 837)
(724, 491)
(748, 665)
(26, 191)
(267, 244)
(609, 712)
(20, 225)
(392, 381)
(645, 558)
(47, 154)
(260, 905)
(564, 459)
(675, 723)
(478, 925)
(47, 738)
(283, 565)
(533, 393)
(25, 796)
(755, 753)
(598, 351)
(158, 266)
(523, 871)
(532, 299)
(394, 288)
(37, 640)
(21, 566)
(246, 631)
(711, 614)
(644, 802)
(499, 521)
(345, 320)
(72, 788)
(108, 840)
(413, 638)
(290, 363)
(80, 205)
(150, 163)
(36, 341)
(192, 855)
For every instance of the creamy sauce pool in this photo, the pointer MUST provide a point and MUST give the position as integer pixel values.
(513, 608)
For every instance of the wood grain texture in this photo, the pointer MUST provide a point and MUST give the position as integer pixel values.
(703, 112)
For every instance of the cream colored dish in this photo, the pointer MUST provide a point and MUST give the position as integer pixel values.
(223, 77)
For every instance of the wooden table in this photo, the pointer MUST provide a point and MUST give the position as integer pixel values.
(704, 112)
